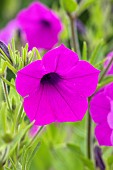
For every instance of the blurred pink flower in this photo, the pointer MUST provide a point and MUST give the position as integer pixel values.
(7, 33)
(101, 108)
(108, 58)
(56, 88)
(11, 30)
(41, 25)
(33, 131)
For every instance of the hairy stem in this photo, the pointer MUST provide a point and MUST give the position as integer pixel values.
(89, 135)
(77, 41)
(74, 34)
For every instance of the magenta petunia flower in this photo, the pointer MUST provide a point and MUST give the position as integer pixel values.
(11, 30)
(41, 25)
(109, 56)
(7, 33)
(56, 88)
(101, 108)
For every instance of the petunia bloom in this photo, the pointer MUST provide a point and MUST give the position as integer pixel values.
(7, 32)
(41, 25)
(56, 88)
(101, 109)
(10, 30)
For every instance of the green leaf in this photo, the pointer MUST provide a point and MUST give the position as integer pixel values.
(94, 56)
(106, 80)
(13, 164)
(11, 67)
(28, 155)
(31, 156)
(65, 158)
(30, 56)
(3, 117)
(99, 65)
(84, 51)
(6, 168)
(76, 150)
(110, 160)
(18, 137)
(19, 166)
(35, 50)
(23, 157)
(69, 5)
(7, 82)
(29, 152)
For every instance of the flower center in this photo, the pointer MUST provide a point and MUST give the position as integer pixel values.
(19, 33)
(50, 78)
(45, 23)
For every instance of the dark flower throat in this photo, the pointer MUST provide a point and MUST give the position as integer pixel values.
(45, 23)
(50, 78)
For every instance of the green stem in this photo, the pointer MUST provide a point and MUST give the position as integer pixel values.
(5, 56)
(89, 130)
(77, 41)
(89, 136)
(6, 95)
(13, 165)
(74, 33)
(7, 82)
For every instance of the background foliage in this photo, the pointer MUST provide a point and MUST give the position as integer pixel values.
(58, 146)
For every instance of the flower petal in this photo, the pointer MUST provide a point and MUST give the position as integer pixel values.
(37, 107)
(60, 60)
(41, 41)
(109, 91)
(7, 33)
(112, 137)
(67, 104)
(103, 134)
(34, 12)
(99, 108)
(51, 105)
(28, 78)
(84, 77)
(110, 119)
